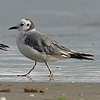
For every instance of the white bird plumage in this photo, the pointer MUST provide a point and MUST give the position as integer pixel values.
(40, 48)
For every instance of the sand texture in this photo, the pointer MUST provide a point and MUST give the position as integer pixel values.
(50, 91)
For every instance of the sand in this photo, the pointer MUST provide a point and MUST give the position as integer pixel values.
(50, 91)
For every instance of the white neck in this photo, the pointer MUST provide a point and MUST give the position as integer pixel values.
(32, 30)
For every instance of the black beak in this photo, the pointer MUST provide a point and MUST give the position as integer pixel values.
(14, 27)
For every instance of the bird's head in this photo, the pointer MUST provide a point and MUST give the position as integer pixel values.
(24, 25)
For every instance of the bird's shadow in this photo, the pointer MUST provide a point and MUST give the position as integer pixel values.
(28, 77)
(14, 76)
(7, 75)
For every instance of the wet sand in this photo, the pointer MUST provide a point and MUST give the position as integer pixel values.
(50, 91)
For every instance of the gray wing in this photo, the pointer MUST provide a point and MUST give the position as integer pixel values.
(45, 44)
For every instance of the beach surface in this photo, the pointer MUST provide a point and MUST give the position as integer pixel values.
(49, 91)
(75, 24)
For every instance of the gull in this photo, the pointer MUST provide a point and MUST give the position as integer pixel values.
(41, 48)
(3, 47)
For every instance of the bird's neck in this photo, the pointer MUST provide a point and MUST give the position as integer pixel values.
(22, 33)
(32, 30)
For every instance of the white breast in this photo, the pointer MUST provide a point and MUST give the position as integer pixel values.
(26, 50)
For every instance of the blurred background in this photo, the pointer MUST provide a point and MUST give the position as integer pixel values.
(75, 24)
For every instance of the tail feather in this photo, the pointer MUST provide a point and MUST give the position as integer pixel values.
(81, 56)
(3, 47)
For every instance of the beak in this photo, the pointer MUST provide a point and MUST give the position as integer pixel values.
(14, 27)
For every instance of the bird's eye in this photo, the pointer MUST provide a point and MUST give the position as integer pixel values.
(21, 24)
(27, 24)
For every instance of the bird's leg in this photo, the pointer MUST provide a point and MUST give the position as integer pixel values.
(26, 75)
(51, 74)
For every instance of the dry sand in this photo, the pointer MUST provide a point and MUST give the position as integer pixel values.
(52, 91)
